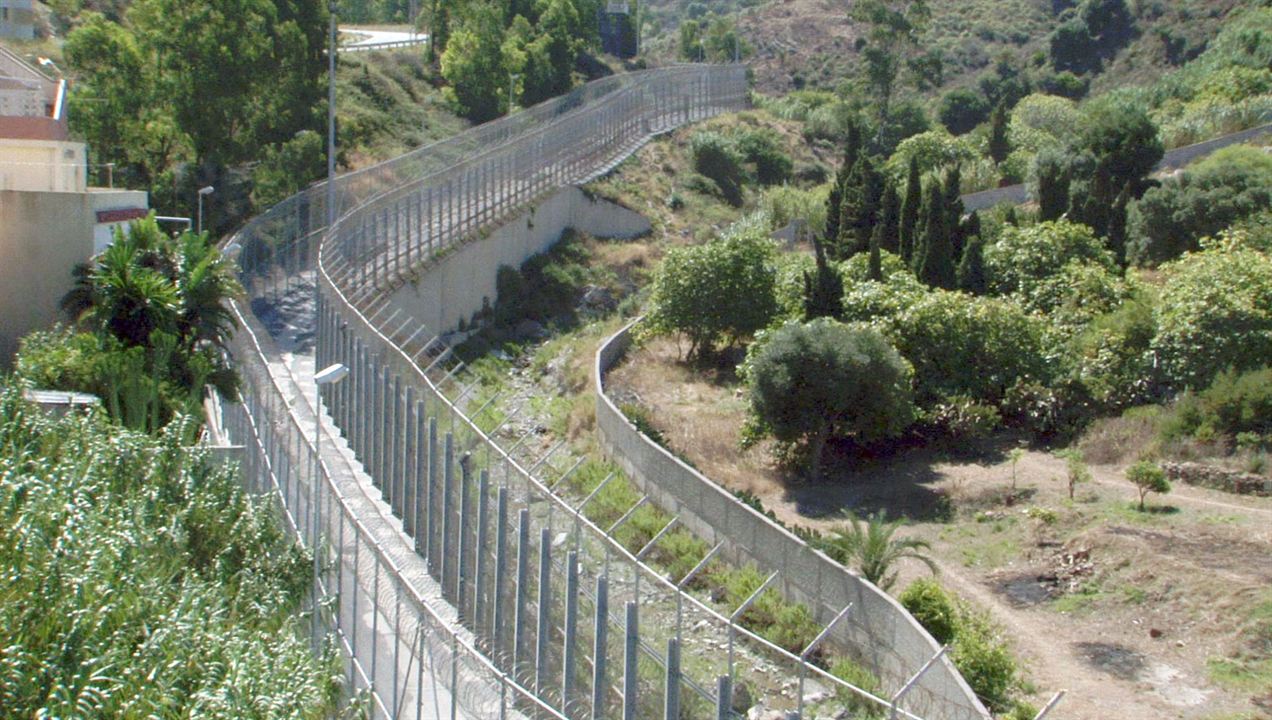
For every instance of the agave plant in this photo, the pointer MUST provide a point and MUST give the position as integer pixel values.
(870, 546)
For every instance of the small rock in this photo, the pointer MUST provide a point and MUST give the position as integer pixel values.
(1155, 633)
(598, 298)
(1179, 643)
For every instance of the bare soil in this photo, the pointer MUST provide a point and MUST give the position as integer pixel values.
(1126, 610)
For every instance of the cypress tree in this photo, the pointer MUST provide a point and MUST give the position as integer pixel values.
(835, 200)
(1053, 187)
(999, 144)
(936, 268)
(823, 288)
(971, 269)
(954, 210)
(971, 226)
(890, 219)
(1117, 225)
(876, 262)
(862, 197)
(908, 225)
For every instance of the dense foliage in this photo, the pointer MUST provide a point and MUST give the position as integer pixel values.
(812, 381)
(141, 581)
(722, 290)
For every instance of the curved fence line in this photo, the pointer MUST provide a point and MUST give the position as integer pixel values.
(531, 618)
(885, 637)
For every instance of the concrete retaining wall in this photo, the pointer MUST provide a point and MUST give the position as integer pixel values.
(455, 286)
(882, 635)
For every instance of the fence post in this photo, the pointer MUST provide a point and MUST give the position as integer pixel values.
(465, 529)
(395, 453)
(497, 600)
(430, 529)
(671, 706)
(479, 556)
(519, 606)
(571, 625)
(545, 610)
(447, 562)
(724, 697)
(410, 467)
(599, 629)
(630, 679)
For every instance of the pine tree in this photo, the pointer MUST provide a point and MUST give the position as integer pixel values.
(823, 288)
(862, 196)
(908, 225)
(876, 262)
(999, 144)
(937, 265)
(890, 219)
(971, 269)
(835, 201)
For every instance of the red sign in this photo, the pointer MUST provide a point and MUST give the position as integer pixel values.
(114, 216)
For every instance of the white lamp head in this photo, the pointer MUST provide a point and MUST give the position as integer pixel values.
(331, 374)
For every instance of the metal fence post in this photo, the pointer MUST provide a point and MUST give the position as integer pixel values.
(395, 455)
(599, 629)
(724, 697)
(447, 562)
(498, 612)
(571, 625)
(463, 547)
(519, 605)
(479, 555)
(430, 529)
(545, 610)
(631, 680)
(410, 467)
(671, 704)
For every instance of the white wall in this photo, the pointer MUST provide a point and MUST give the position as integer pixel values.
(454, 288)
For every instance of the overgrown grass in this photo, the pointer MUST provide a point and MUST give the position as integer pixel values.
(141, 581)
(1250, 668)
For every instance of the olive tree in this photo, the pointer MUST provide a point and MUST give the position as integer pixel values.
(1147, 477)
(812, 381)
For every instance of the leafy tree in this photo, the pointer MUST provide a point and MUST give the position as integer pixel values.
(1147, 477)
(472, 65)
(935, 150)
(893, 29)
(870, 545)
(999, 143)
(968, 346)
(1215, 313)
(691, 47)
(724, 289)
(1118, 148)
(1040, 122)
(823, 288)
(812, 381)
(762, 149)
(288, 168)
(908, 226)
(1076, 470)
(1168, 220)
(1023, 258)
(565, 31)
(1006, 83)
(962, 109)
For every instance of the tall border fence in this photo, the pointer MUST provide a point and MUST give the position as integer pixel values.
(453, 576)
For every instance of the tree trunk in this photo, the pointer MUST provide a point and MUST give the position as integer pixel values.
(816, 447)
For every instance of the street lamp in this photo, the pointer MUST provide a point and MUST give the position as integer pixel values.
(206, 190)
(512, 79)
(331, 115)
(329, 375)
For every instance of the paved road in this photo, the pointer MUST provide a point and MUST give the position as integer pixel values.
(366, 39)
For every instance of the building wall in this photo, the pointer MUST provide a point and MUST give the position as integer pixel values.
(43, 235)
(43, 165)
(17, 19)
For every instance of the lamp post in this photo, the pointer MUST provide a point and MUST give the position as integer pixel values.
(329, 375)
(512, 79)
(331, 115)
(206, 190)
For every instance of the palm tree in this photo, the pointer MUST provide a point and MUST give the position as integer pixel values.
(869, 545)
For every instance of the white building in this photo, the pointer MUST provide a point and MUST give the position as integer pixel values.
(50, 220)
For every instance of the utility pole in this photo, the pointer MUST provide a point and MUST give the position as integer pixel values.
(331, 116)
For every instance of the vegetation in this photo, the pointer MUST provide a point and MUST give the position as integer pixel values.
(155, 324)
(869, 545)
(1147, 477)
(142, 580)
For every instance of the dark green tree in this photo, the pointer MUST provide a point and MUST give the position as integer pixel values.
(962, 109)
(936, 267)
(1053, 186)
(875, 266)
(971, 269)
(890, 220)
(892, 34)
(473, 64)
(859, 208)
(823, 288)
(953, 203)
(908, 225)
(813, 381)
(999, 144)
(1118, 148)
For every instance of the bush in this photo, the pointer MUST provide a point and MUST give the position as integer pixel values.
(1023, 257)
(1113, 358)
(932, 607)
(1148, 477)
(763, 151)
(1170, 220)
(725, 289)
(1234, 404)
(855, 674)
(811, 381)
(935, 150)
(716, 158)
(1215, 313)
(962, 109)
(968, 346)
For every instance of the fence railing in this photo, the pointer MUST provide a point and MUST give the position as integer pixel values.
(454, 576)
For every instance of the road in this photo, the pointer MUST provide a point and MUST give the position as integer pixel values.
(368, 39)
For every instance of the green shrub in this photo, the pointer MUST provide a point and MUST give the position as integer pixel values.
(1024, 257)
(1215, 313)
(965, 419)
(1233, 405)
(763, 151)
(932, 607)
(715, 157)
(853, 673)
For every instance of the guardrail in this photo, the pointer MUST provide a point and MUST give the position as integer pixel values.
(386, 45)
